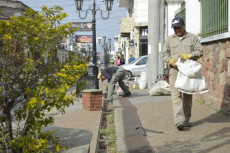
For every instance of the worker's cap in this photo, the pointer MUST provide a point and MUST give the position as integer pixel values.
(99, 77)
(177, 22)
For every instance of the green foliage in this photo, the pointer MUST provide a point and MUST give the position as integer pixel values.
(31, 87)
(201, 101)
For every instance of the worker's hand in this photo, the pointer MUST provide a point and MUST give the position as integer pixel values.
(172, 62)
(185, 56)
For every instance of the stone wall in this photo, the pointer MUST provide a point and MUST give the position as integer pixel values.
(215, 70)
(136, 42)
(126, 24)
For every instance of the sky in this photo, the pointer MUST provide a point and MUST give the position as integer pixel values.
(108, 28)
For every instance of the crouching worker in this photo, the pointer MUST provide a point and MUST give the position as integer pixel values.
(114, 75)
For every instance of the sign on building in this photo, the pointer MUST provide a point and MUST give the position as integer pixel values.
(83, 26)
(84, 38)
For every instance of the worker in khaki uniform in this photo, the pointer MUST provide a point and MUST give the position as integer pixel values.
(187, 46)
(114, 75)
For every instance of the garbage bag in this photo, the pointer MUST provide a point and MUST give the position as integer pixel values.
(160, 88)
(190, 68)
(143, 80)
(136, 83)
(189, 78)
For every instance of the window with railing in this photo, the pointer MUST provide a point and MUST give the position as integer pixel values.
(214, 17)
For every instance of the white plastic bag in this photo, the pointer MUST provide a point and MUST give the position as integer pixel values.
(189, 79)
(160, 88)
(143, 81)
(118, 89)
(136, 83)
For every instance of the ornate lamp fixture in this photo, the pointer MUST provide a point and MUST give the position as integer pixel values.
(79, 4)
(108, 4)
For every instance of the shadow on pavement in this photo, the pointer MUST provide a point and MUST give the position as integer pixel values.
(213, 118)
(76, 140)
(213, 140)
(178, 146)
(220, 138)
(222, 134)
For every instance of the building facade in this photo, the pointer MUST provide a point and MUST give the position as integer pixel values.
(210, 21)
(10, 8)
(134, 27)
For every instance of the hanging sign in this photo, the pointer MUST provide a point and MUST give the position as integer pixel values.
(83, 26)
(84, 38)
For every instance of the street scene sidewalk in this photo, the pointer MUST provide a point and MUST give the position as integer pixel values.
(210, 131)
(77, 128)
(145, 124)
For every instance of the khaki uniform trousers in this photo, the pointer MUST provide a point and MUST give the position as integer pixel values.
(181, 103)
(117, 77)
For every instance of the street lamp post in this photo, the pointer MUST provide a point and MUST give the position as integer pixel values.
(108, 3)
(107, 48)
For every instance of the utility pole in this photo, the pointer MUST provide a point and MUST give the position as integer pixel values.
(162, 36)
(109, 4)
(153, 40)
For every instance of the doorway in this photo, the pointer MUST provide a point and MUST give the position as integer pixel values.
(144, 49)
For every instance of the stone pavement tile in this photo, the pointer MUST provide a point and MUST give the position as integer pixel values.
(210, 132)
(81, 120)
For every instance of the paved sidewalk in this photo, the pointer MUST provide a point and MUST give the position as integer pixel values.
(210, 131)
(77, 128)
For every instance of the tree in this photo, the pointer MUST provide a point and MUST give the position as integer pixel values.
(29, 86)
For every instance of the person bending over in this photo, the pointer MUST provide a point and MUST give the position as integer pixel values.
(114, 75)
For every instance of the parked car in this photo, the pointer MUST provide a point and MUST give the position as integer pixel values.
(136, 67)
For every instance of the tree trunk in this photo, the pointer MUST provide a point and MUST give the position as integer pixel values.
(9, 121)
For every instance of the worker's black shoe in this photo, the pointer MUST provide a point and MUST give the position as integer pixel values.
(180, 126)
(187, 124)
(128, 94)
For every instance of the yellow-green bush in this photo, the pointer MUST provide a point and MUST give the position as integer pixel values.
(31, 87)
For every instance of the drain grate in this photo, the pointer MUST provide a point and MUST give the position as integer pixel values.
(134, 134)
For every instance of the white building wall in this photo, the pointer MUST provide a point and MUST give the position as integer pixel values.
(116, 46)
(171, 11)
(193, 18)
(140, 11)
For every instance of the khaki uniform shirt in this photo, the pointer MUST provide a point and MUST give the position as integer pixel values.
(174, 46)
